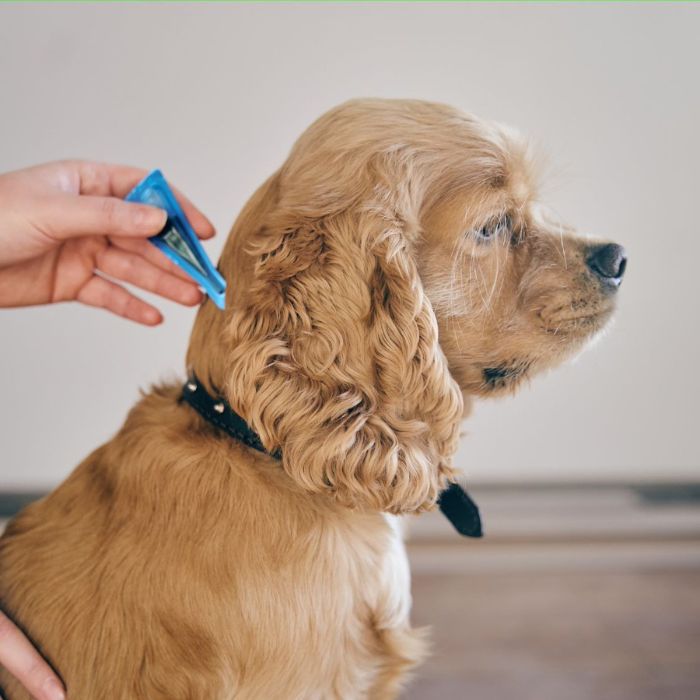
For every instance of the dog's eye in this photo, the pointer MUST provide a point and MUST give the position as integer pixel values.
(493, 229)
(486, 233)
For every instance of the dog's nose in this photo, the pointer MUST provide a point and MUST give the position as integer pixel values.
(608, 262)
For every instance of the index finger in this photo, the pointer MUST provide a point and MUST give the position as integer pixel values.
(25, 663)
(106, 179)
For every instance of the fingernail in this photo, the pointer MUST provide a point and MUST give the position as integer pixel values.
(53, 690)
(149, 218)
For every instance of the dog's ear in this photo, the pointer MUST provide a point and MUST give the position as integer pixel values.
(334, 359)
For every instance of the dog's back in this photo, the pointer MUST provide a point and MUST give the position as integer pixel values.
(176, 563)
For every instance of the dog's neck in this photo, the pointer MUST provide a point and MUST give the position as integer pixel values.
(217, 411)
(206, 356)
(454, 502)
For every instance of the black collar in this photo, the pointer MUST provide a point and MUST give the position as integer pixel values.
(454, 501)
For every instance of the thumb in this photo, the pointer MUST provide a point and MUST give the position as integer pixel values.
(85, 215)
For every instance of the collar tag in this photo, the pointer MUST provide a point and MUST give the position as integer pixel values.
(459, 508)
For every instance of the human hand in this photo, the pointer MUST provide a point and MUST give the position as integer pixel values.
(20, 658)
(64, 225)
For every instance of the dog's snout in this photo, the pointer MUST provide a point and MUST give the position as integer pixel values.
(608, 263)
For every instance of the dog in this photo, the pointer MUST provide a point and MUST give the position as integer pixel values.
(395, 268)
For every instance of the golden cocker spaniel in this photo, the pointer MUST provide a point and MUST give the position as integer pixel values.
(396, 266)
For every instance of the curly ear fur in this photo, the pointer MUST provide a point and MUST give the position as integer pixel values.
(329, 345)
(334, 359)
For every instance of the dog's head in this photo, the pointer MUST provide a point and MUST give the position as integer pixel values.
(397, 263)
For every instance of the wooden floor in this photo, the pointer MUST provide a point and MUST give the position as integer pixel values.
(574, 596)
(560, 636)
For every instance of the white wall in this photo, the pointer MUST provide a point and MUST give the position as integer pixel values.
(215, 96)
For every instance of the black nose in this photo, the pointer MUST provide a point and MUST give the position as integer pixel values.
(608, 262)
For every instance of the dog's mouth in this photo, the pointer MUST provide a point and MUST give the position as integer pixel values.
(569, 326)
(504, 376)
(575, 319)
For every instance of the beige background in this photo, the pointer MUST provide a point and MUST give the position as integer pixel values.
(215, 96)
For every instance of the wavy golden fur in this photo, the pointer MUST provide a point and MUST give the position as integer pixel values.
(396, 266)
